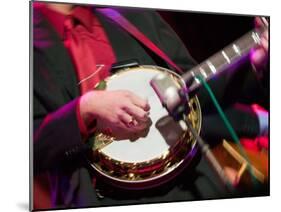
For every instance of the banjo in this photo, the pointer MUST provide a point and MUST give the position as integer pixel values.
(168, 148)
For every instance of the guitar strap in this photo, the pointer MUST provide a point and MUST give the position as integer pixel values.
(130, 28)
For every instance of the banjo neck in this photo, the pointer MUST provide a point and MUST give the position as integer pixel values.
(224, 59)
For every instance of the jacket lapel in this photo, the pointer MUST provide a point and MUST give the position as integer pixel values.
(48, 43)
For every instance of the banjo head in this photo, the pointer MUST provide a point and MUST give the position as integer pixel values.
(149, 160)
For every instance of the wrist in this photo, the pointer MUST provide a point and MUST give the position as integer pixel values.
(85, 106)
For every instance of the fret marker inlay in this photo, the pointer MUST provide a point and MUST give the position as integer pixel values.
(211, 66)
(236, 49)
(225, 57)
(203, 72)
(256, 37)
(196, 80)
(222, 60)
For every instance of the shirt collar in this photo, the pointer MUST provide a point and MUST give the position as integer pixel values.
(84, 15)
(81, 14)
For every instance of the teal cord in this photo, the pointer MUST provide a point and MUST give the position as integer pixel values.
(227, 124)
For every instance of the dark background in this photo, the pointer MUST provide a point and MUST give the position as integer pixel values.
(205, 34)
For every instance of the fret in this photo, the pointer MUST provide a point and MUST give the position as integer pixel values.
(226, 57)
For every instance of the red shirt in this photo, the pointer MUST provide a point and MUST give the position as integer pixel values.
(98, 42)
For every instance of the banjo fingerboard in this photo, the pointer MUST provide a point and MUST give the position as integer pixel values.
(224, 59)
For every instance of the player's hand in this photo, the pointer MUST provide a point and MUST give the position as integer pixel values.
(259, 56)
(120, 114)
